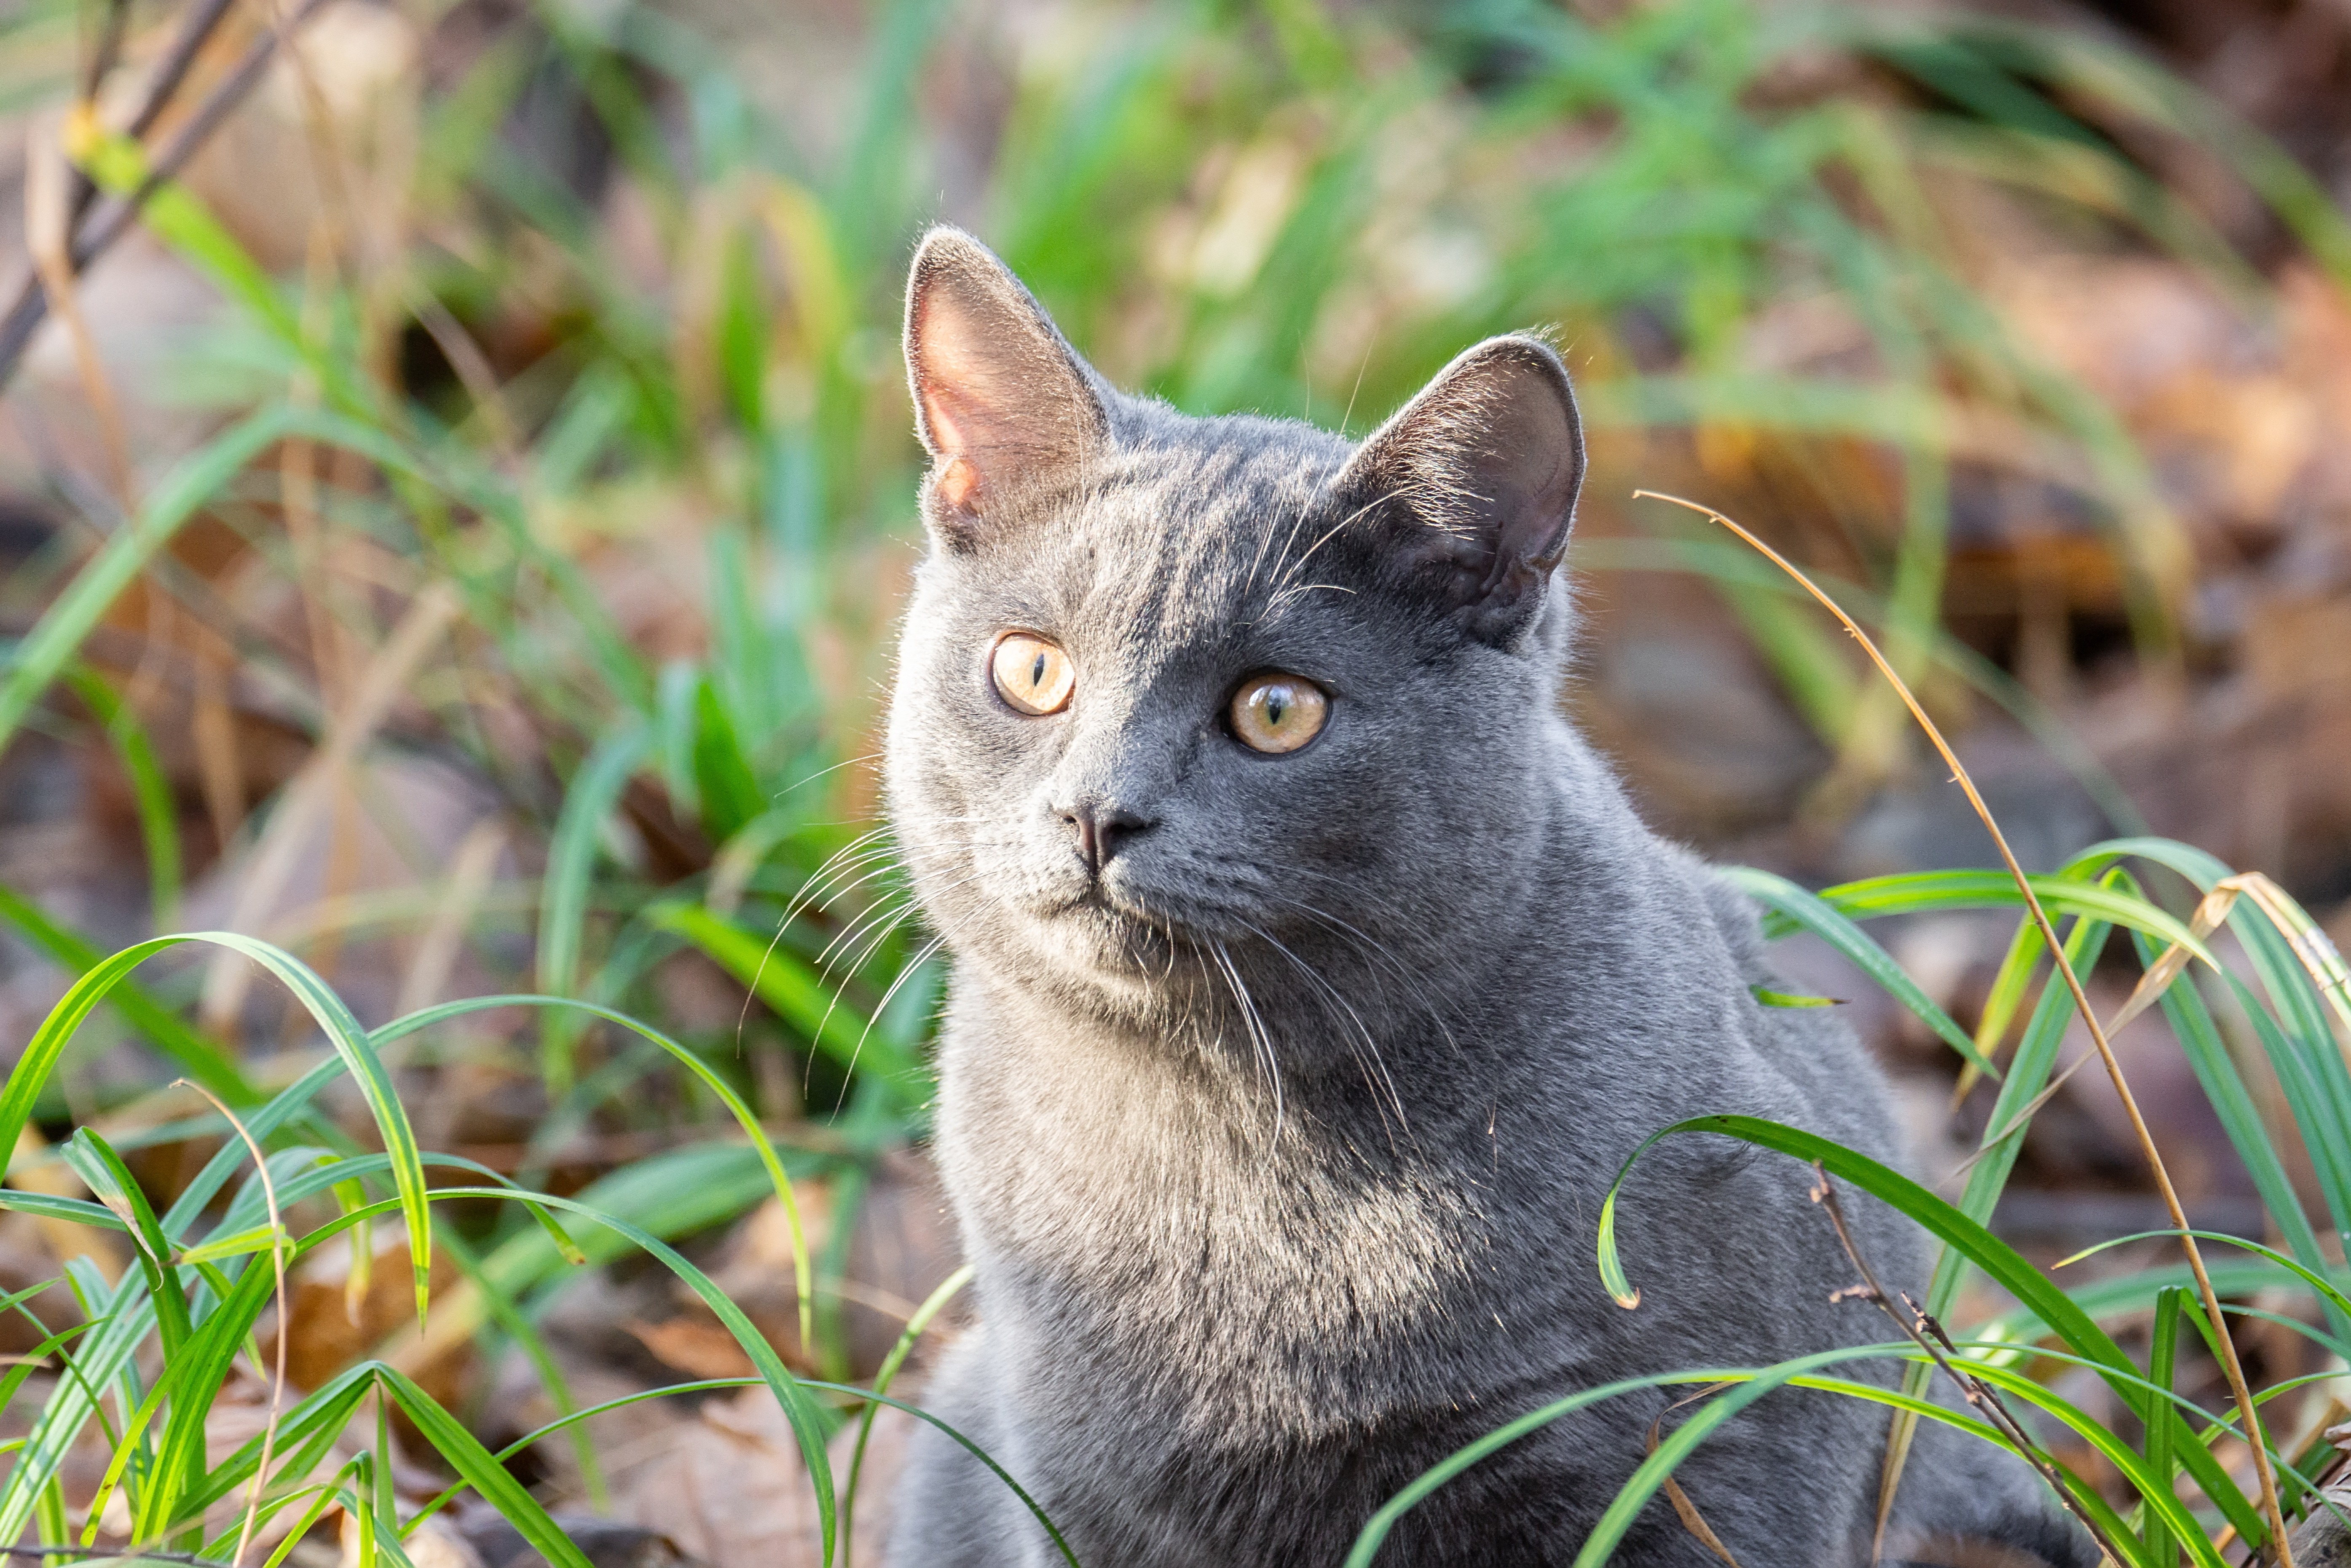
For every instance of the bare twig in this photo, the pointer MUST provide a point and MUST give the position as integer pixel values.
(196, 30)
(1921, 1329)
(113, 220)
(101, 59)
(2231, 1366)
(96, 67)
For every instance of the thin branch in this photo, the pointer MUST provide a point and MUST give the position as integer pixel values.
(196, 30)
(1921, 1329)
(2231, 1366)
(96, 68)
(113, 220)
(109, 49)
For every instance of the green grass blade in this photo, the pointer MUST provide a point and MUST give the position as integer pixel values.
(2029, 1072)
(464, 1454)
(2008, 985)
(1800, 908)
(204, 1059)
(343, 1031)
(915, 1325)
(2225, 1089)
(159, 814)
(594, 790)
(2001, 1262)
(199, 1369)
(75, 1210)
(103, 1171)
(1915, 892)
(745, 1118)
(808, 1422)
(1376, 1529)
(57, 637)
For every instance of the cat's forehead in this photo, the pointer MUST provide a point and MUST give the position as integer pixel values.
(1189, 529)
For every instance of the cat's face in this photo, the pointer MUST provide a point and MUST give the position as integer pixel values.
(1176, 694)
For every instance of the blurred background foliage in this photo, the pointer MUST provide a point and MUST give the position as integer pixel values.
(456, 532)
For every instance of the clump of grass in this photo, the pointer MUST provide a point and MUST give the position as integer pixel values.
(2303, 1019)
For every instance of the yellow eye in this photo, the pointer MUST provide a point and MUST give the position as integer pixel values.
(1032, 674)
(1278, 712)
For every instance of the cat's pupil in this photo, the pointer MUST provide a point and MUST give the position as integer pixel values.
(1274, 706)
(1037, 670)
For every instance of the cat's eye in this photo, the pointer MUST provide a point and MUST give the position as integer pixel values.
(1276, 713)
(1031, 673)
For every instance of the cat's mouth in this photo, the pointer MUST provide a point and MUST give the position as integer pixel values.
(1101, 906)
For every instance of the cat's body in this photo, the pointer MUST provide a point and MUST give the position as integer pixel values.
(1281, 1093)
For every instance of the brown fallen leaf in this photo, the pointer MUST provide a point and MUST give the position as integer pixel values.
(696, 1347)
(331, 1325)
(729, 1486)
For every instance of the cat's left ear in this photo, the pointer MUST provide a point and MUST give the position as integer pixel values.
(1001, 401)
(1470, 488)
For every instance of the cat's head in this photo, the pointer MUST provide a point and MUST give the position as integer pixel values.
(1179, 689)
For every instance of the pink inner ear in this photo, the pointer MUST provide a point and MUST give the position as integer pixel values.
(938, 411)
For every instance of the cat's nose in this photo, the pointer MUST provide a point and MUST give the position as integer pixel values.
(1101, 830)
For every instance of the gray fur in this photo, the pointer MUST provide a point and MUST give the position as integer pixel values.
(1244, 1271)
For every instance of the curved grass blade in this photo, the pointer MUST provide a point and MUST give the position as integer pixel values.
(1999, 1261)
(808, 1422)
(110, 1181)
(196, 1054)
(2326, 1289)
(873, 1396)
(802, 1267)
(1816, 915)
(1919, 1410)
(1913, 892)
(349, 1041)
(1376, 1529)
(73, 1210)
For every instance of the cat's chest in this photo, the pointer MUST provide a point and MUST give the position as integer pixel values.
(1155, 1203)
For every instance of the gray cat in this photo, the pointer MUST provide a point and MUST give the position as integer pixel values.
(1311, 980)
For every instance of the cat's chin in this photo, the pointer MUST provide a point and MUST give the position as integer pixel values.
(1107, 941)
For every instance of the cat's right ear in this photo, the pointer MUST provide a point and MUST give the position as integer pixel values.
(1470, 488)
(1001, 402)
